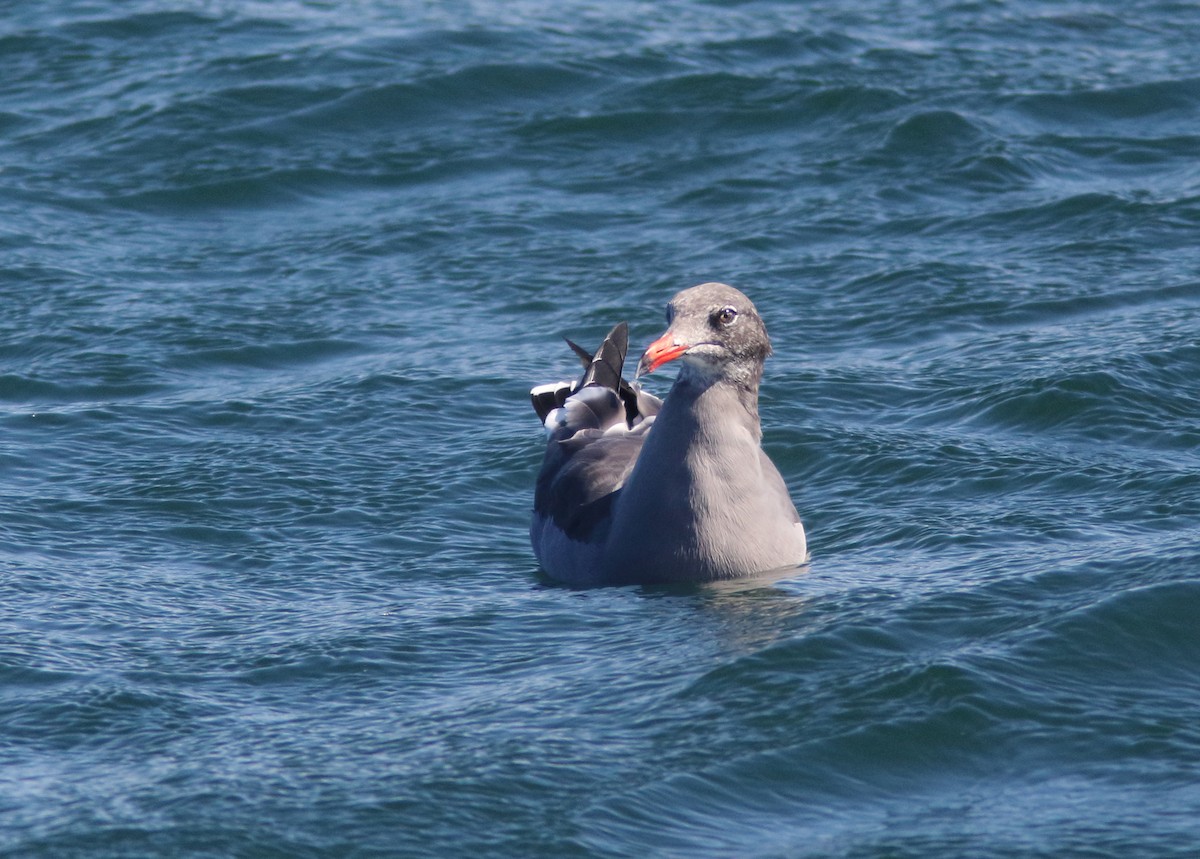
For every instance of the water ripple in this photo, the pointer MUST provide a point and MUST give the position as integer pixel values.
(277, 280)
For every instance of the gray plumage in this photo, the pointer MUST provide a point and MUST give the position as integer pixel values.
(636, 490)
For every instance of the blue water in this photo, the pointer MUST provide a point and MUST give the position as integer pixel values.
(275, 279)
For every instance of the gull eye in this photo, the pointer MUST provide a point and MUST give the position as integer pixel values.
(725, 316)
(670, 313)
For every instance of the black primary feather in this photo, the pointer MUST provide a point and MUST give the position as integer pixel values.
(603, 369)
(605, 366)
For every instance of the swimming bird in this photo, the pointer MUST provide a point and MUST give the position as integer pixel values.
(637, 490)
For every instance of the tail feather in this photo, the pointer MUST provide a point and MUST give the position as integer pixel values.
(547, 398)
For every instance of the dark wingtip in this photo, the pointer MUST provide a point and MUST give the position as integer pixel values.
(584, 355)
(605, 366)
(604, 369)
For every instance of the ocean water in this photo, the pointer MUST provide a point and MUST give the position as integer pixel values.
(276, 279)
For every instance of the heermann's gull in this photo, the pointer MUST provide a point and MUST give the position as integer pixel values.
(637, 490)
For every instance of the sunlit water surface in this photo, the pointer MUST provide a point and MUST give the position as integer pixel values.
(277, 277)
